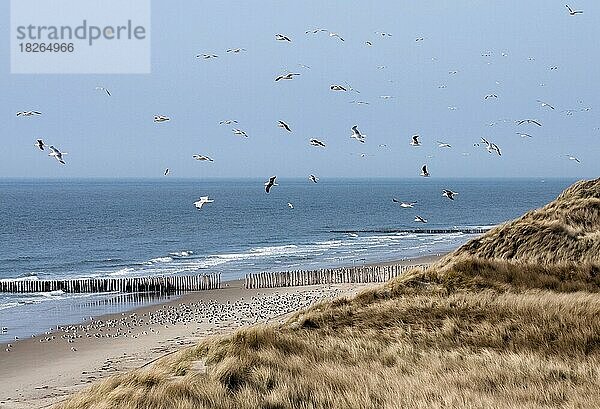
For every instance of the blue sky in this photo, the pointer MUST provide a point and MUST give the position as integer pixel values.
(116, 137)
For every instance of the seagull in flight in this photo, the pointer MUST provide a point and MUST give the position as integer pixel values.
(270, 184)
(313, 179)
(336, 35)
(236, 50)
(357, 135)
(281, 37)
(316, 30)
(288, 76)
(202, 158)
(104, 90)
(573, 158)
(166, 171)
(573, 12)
(239, 132)
(424, 171)
(291, 206)
(207, 56)
(419, 219)
(405, 205)
(488, 96)
(491, 147)
(336, 87)
(443, 144)
(316, 142)
(283, 125)
(28, 113)
(40, 144)
(58, 155)
(161, 118)
(202, 201)
(529, 121)
(415, 141)
(228, 122)
(524, 135)
(449, 194)
(545, 104)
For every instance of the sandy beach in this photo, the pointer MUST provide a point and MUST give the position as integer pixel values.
(41, 371)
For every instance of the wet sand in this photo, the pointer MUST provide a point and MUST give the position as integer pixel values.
(41, 371)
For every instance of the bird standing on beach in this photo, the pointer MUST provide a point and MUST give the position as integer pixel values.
(270, 183)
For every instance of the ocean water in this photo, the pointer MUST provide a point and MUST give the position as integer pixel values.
(99, 228)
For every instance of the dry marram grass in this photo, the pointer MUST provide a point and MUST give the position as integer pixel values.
(516, 328)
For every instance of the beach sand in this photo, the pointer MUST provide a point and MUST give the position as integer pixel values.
(41, 371)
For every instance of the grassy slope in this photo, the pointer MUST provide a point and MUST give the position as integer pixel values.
(491, 326)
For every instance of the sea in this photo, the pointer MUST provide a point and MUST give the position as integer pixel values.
(130, 228)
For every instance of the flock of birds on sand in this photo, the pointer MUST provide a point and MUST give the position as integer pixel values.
(355, 133)
(218, 315)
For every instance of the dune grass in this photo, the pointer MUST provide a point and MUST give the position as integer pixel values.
(512, 328)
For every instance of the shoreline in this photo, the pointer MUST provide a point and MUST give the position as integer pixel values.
(45, 369)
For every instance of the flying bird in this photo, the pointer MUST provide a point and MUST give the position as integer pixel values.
(419, 219)
(316, 142)
(405, 205)
(529, 121)
(336, 35)
(236, 50)
(488, 96)
(207, 56)
(239, 132)
(573, 12)
(40, 144)
(281, 37)
(336, 87)
(449, 194)
(288, 76)
(228, 122)
(415, 141)
(202, 201)
(161, 118)
(524, 135)
(202, 158)
(283, 125)
(104, 90)
(166, 171)
(491, 147)
(291, 206)
(58, 155)
(28, 113)
(270, 184)
(357, 135)
(443, 144)
(573, 158)
(313, 179)
(545, 104)
(424, 171)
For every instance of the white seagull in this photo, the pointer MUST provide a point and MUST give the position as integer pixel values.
(281, 37)
(166, 171)
(573, 12)
(529, 121)
(316, 142)
(449, 194)
(202, 201)
(424, 171)
(488, 96)
(405, 205)
(573, 158)
(228, 122)
(291, 206)
(336, 35)
(28, 113)
(415, 140)
(207, 56)
(443, 144)
(419, 219)
(202, 158)
(288, 76)
(491, 147)
(239, 132)
(313, 178)
(235, 50)
(545, 104)
(336, 87)
(40, 144)
(283, 125)
(104, 90)
(58, 155)
(357, 135)
(161, 118)
(270, 184)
